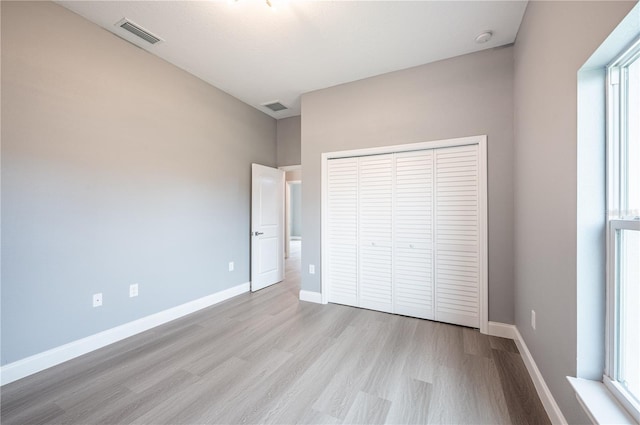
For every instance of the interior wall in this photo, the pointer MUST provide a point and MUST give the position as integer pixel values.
(553, 42)
(463, 96)
(289, 141)
(117, 168)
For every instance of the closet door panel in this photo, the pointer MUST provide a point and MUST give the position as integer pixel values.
(375, 231)
(457, 254)
(413, 244)
(343, 231)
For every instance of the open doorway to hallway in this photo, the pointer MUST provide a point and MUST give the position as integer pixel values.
(293, 209)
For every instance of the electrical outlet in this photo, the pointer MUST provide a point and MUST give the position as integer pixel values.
(533, 319)
(133, 290)
(312, 269)
(97, 299)
(231, 266)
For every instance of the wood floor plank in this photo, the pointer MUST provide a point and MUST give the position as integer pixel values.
(235, 343)
(293, 405)
(317, 322)
(368, 409)
(524, 407)
(233, 398)
(420, 362)
(271, 336)
(79, 408)
(129, 410)
(490, 402)
(339, 394)
(389, 360)
(475, 343)
(164, 364)
(313, 417)
(252, 402)
(149, 367)
(447, 346)
(35, 414)
(503, 344)
(411, 403)
(184, 406)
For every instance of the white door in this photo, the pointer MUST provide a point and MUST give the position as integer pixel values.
(406, 233)
(267, 226)
(342, 254)
(375, 222)
(413, 236)
(457, 235)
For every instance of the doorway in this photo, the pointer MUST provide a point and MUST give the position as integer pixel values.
(293, 210)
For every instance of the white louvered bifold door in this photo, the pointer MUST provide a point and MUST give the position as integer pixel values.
(404, 233)
(375, 231)
(413, 243)
(457, 250)
(342, 211)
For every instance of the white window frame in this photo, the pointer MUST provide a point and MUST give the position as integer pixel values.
(610, 378)
(616, 220)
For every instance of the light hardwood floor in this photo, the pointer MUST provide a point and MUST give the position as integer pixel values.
(269, 358)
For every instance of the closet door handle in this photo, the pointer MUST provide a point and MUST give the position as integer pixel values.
(258, 233)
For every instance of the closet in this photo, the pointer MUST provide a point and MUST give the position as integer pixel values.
(405, 232)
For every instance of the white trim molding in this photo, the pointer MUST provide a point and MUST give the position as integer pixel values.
(549, 403)
(38, 362)
(598, 402)
(502, 330)
(290, 167)
(310, 296)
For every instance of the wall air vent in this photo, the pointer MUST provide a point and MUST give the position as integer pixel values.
(138, 31)
(275, 106)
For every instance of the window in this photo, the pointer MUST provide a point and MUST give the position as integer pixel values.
(622, 373)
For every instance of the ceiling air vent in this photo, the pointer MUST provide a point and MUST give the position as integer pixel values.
(138, 31)
(275, 106)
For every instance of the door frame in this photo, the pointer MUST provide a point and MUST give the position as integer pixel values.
(287, 210)
(287, 215)
(481, 141)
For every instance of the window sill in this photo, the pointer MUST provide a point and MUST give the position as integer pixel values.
(599, 403)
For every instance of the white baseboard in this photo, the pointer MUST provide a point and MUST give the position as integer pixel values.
(33, 364)
(502, 330)
(549, 403)
(310, 296)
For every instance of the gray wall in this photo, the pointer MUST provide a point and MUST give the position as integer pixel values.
(289, 141)
(117, 168)
(464, 96)
(296, 209)
(555, 39)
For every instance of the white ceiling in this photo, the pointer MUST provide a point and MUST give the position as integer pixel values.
(261, 54)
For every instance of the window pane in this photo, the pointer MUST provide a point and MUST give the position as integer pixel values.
(629, 312)
(633, 141)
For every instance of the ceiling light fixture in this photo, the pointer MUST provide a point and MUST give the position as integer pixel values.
(267, 2)
(483, 37)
